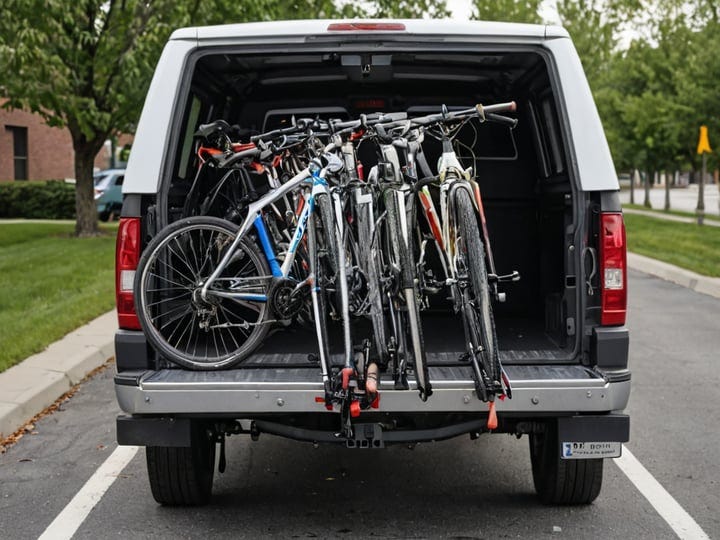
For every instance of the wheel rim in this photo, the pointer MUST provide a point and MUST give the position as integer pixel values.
(201, 332)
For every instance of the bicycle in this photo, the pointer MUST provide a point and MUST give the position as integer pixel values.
(205, 291)
(397, 263)
(457, 239)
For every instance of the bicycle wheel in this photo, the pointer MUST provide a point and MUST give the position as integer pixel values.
(401, 247)
(329, 238)
(229, 198)
(319, 305)
(471, 259)
(212, 333)
(369, 258)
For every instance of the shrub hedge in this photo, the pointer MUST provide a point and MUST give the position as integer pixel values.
(37, 200)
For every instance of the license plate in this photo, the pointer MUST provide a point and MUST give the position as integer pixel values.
(591, 450)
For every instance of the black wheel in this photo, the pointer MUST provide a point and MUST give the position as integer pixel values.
(327, 223)
(402, 257)
(214, 332)
(319, 307)
(182, 476)
(228, 198)
(471, 261)
(369, 259)
(562, 481)
(104, 216)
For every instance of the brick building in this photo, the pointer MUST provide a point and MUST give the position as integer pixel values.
(32, 150)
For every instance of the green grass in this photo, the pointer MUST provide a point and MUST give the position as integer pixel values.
(683, 244)
(51, 283)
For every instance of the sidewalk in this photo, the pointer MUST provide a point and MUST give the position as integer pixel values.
(31, 386)
(26, 389)
(711, 221)
(684, 199)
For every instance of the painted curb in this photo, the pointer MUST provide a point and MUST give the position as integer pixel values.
(27, 388)
(674, 274)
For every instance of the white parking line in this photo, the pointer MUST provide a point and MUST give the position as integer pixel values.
(69, 520)
(679, 520)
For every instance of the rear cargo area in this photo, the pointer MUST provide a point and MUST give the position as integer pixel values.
(523, 174)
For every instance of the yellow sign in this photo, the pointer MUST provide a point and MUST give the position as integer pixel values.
(703, 142)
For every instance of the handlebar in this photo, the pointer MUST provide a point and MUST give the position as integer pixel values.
(380, 122)
(484, 112)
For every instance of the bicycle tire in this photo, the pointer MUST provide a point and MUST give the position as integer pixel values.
(327, 217)
(404, 257)
(177, 322)
(228, 199)
(370, 263)
(320, 309)
(477, 272)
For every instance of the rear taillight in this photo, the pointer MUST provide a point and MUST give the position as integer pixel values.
(613, 269)
(127, 254)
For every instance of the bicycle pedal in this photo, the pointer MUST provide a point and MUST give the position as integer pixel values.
(495, 278)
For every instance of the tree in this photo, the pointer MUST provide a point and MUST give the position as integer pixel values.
(86, 65)
(408, 9)
(594, 27)
(507, 10)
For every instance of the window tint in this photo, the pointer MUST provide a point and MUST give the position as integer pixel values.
(102, 181)
(119, 180)
(553, 135)
(547, 140)
(192, 116)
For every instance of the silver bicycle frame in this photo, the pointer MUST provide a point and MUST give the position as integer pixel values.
(253, 211)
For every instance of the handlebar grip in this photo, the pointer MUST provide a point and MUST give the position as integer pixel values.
(499, 119)
(510, 106)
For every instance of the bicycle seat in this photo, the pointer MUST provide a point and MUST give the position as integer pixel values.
(218, 126)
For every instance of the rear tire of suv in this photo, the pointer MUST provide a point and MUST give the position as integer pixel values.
(182, 476)
(562, 481)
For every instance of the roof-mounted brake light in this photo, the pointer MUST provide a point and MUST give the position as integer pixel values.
(366, 26)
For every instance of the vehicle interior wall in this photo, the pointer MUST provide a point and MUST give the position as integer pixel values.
(523, 176)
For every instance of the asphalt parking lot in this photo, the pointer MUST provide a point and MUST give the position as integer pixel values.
(455, 489)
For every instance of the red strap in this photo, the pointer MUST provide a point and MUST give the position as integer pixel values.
(492, 421)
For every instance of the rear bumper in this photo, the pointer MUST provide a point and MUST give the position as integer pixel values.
(248, 393)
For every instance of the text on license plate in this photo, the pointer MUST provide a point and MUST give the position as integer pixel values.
(590, 450)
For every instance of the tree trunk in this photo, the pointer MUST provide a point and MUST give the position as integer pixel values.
(666, 176)
(86, 213)
(633, 176)
(648, 179)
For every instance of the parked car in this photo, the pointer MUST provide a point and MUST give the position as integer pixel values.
(108, 192)
(552, 209)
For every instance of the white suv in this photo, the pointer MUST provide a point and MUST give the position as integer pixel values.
(551, 201)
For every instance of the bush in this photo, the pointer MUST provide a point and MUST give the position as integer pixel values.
(37, 200)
